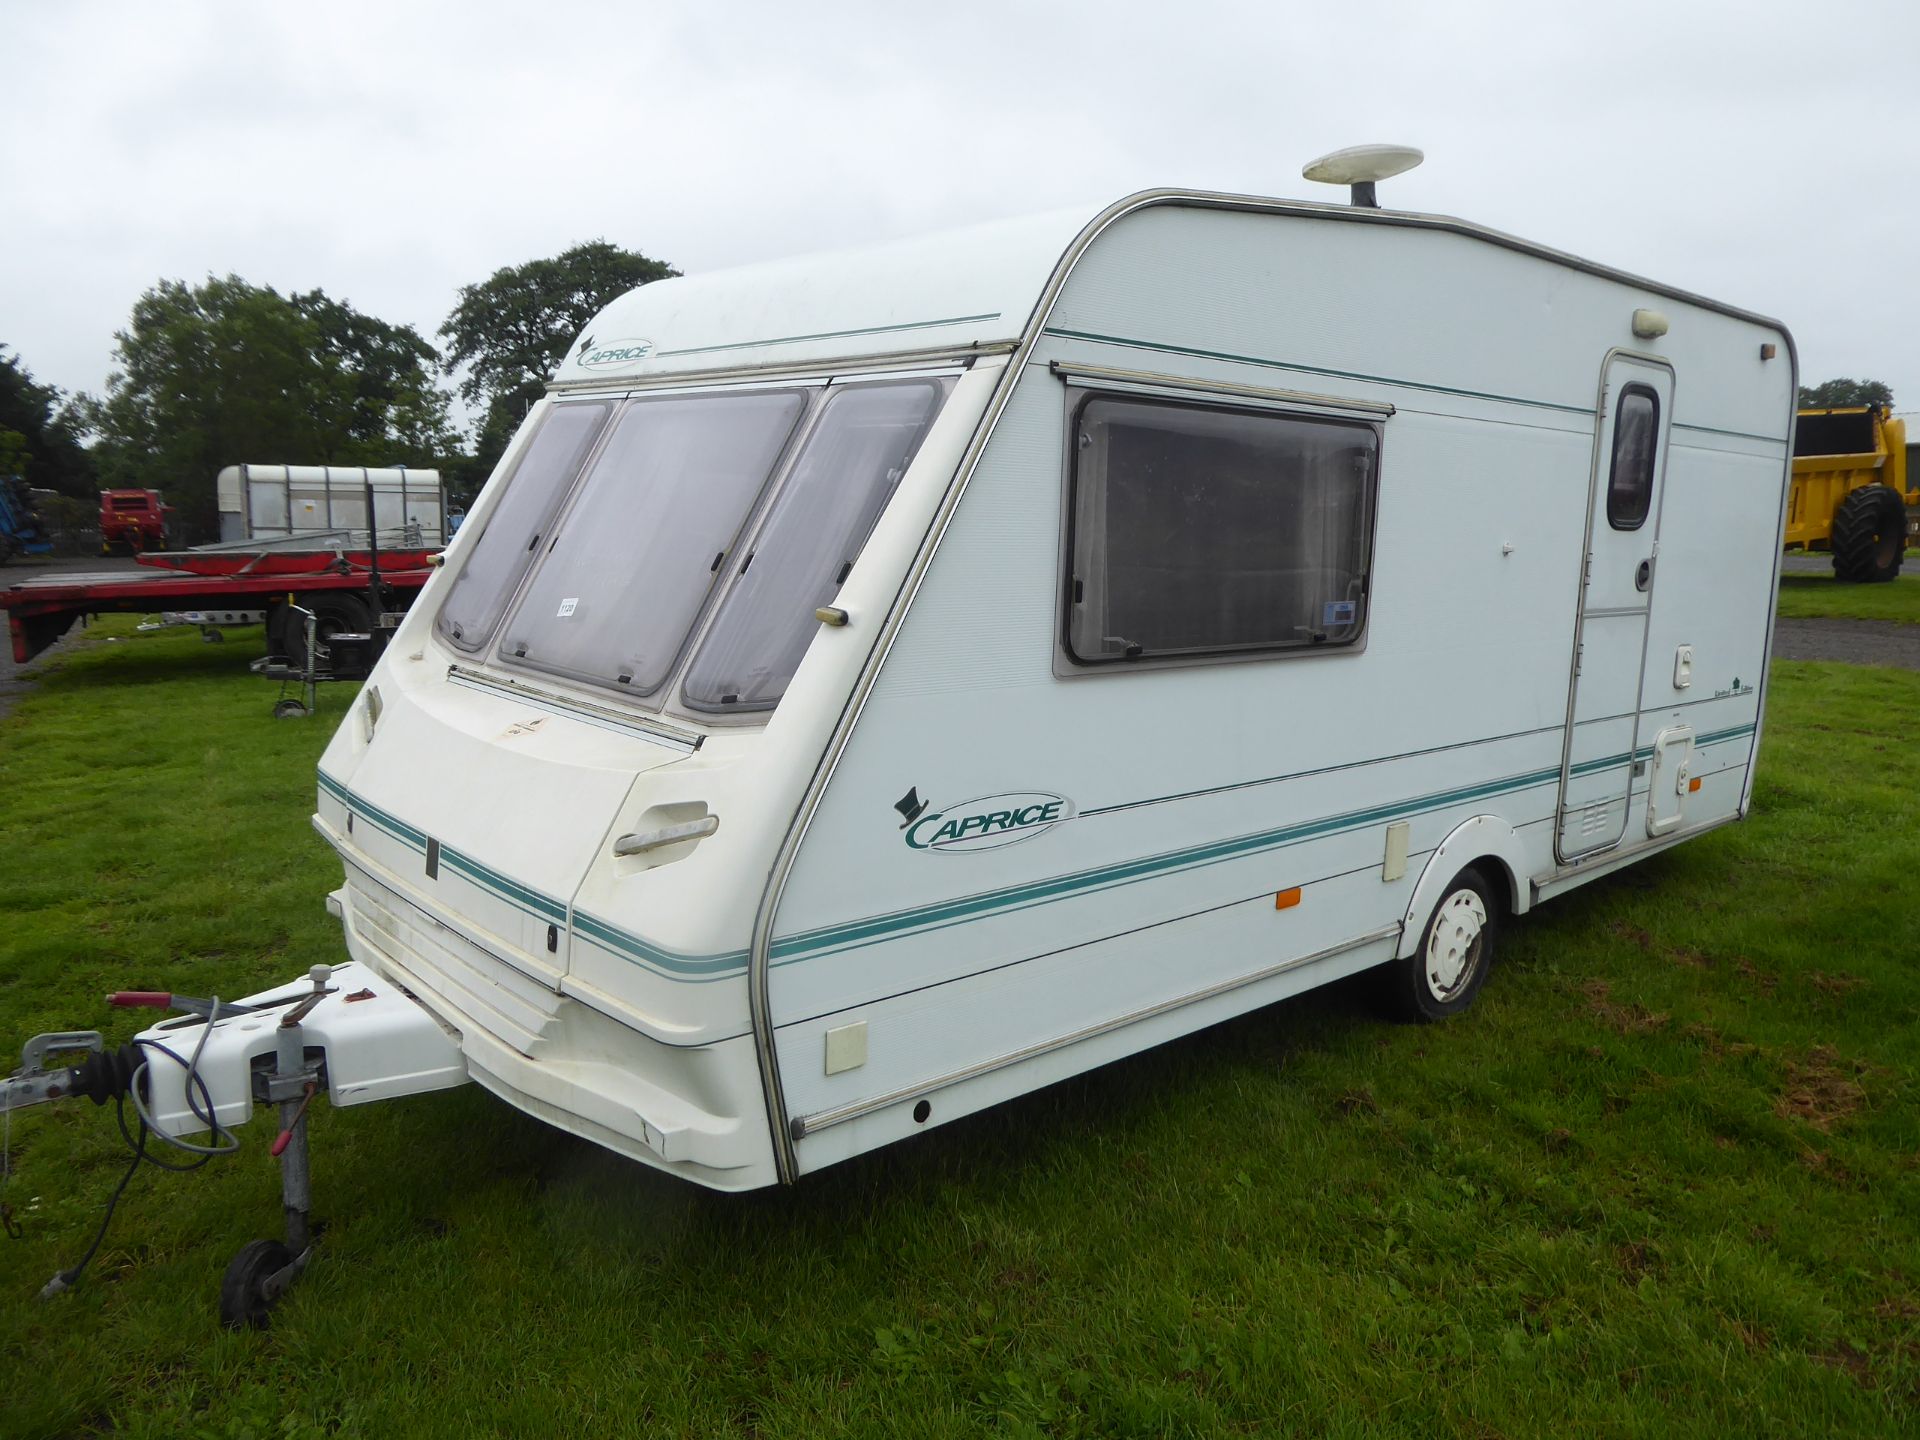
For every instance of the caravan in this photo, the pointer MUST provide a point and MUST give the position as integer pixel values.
(875, 686)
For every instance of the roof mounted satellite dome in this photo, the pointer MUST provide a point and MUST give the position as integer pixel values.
(1360, 166)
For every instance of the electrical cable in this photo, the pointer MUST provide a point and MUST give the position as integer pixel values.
(208, 1118)
(199, 1102)
(68, 1278)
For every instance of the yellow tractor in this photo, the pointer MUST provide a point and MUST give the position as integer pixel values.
(1850, 492)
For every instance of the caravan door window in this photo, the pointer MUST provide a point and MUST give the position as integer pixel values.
(1203, 530)
(854, 456)
(518, 523)
(647, 536)
(1636, 434)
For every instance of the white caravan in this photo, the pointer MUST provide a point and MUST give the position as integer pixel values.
(878, 685)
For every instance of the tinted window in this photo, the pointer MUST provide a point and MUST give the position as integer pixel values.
(1636, 435)
(1203, 530)
(838, 486)
(633, 559)
(518, 523)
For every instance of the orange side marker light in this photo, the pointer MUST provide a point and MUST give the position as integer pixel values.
(1693, 784)
(1286, 899)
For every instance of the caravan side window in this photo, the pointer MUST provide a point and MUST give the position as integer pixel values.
(514, 531)
(1210, 531)
(1636, 436)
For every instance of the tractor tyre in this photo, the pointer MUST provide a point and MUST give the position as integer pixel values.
(1869, 535)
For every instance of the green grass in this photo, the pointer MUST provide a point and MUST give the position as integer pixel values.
(1664, 1178)
(1807, 597)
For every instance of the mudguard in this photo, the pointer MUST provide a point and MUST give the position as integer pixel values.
(1469, 840)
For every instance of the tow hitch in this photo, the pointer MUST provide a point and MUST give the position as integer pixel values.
(348, 1032)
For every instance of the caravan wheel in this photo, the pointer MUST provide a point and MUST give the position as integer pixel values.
(1447, 968)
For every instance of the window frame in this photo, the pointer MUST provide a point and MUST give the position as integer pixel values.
(758, 522)
(1195, 395)
(1652, 475)
(667, 701)
(663, 695)
(480, 652)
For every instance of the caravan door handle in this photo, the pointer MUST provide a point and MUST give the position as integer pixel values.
(642, 841)
(1643, 577)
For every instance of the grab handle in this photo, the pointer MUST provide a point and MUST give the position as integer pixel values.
(641, 841)
(129, 999)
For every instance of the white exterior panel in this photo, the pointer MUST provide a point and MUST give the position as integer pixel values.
(793, 983)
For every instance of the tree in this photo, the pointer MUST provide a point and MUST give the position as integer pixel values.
(46, 450)
(392, 396)
(512, 330)
(15, 454)
(216, 374)
(1845, 392)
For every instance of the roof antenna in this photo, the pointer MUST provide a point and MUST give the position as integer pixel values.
(1360, 166)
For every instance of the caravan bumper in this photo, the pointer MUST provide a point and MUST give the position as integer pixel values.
(691, 1110)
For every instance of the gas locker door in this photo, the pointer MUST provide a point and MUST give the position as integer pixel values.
(1670, 778)
(1619, 570)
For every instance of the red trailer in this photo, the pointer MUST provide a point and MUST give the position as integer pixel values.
(222, 588)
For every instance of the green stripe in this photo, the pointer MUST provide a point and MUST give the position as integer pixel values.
(393, 825)
(512, 891)
(831, 335)
(1151, 867)
(853, 934)
(810, 943)
(542, 907)
(1588, 767)
(675, 965)
(1304, 369)
(532, 901)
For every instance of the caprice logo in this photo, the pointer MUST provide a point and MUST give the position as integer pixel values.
(613, 353)
(989, 822)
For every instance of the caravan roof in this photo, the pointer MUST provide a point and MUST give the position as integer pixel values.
(945, 292)
(972, 288)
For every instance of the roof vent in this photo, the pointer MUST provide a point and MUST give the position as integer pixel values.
(1360, 166)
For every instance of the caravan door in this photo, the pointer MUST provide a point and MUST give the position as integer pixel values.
(1600, 754)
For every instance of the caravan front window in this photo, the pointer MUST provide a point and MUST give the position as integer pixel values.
(1206, 530)
(864, 441)
(633, 558)
(514, 530)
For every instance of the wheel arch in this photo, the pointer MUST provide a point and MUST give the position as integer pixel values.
(1486, 842)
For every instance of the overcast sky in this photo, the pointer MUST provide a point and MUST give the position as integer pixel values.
(1765, 154)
